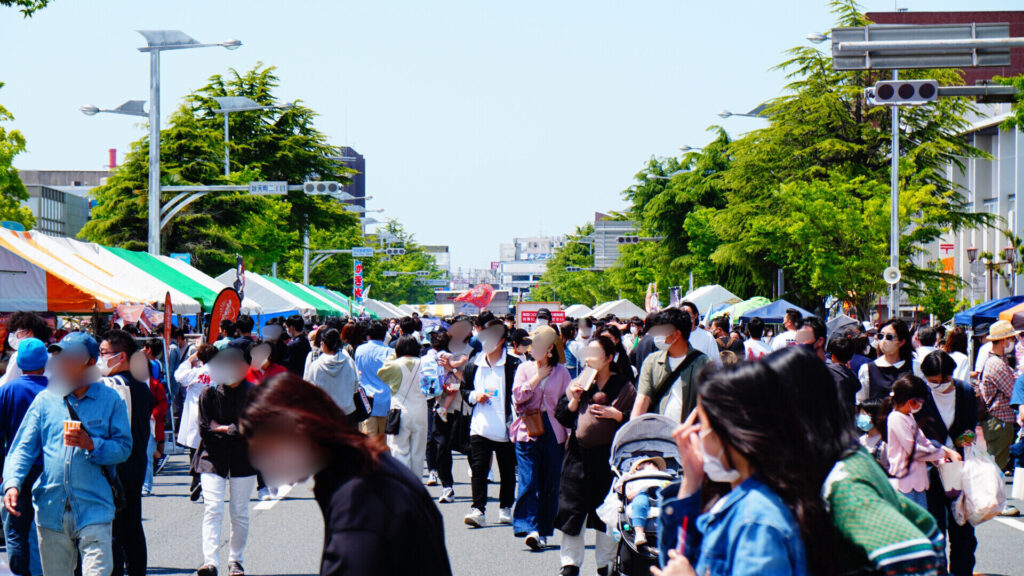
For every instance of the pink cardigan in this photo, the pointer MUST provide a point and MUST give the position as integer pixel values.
(903, 434)
(525, 399)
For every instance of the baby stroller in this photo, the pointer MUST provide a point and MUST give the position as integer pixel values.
(647, 438)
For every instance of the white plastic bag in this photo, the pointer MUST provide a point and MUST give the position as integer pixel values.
(951, 475)
(984, 497)
(1018, 484)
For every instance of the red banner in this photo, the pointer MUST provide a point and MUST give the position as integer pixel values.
(167, 319)
(479, 296)
(226, 307)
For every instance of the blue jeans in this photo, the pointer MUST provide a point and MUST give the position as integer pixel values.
(918, 497)
(22, 541)
(60, 551)
(639, 508)
(147, 485)
(539, 470)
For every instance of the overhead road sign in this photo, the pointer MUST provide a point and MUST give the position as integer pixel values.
(889, 47)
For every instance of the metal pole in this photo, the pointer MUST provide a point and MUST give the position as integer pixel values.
(273, 269)
(894, 216)
(691, 281)
(154, 152)
(305, 256)
(227, 153)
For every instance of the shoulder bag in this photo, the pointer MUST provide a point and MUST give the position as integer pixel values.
(534, 419)
(666, 383)
(394, 420)
(116, 488)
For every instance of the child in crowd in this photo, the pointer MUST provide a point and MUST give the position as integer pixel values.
(448, 373)
(642, 494)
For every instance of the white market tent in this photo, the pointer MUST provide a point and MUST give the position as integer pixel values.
(274, 299)
(383, 309)
(620, 309)
(578, 311)
(249, 306)
(407, 309)
(708, 297)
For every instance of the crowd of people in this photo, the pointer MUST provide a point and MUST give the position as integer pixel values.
(804, 453)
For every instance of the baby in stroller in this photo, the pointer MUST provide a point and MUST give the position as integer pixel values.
(646, 477)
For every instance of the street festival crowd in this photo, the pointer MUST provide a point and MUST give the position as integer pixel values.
(871, 450)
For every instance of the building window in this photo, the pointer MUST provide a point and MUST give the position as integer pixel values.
(521, 278)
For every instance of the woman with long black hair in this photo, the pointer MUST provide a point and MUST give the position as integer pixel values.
(895, 359)
(378, 517)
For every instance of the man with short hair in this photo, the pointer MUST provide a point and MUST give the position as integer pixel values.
(20, 326)
(244, 324)
(370, 357)
(15, 398)
(298, 346)
(925, 337)
(840, 349)
(668, 379)
(129, 544)
(722, 332)
(754, 347)
(791, 322)
(812, 334)
(700, 338)
(73, 498)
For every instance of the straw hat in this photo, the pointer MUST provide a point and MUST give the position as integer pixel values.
(657, 460)
(1001, 330)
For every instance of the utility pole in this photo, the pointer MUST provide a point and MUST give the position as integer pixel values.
(894, 216)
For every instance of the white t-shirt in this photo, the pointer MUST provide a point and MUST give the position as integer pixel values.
(674, 405)
(13, 372)
(756, 349)
(489, 419)
(963, 367)
(946, 403)
(703, 340)
(922, 352)
(983, 353)
(783, 340)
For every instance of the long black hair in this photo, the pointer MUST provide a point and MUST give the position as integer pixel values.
(902, 333)
(750, 407)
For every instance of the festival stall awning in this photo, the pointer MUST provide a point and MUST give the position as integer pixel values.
(32, 279)
(383, 309)
(773, 313)
(622, 309)
(194, 279)
(344, 301)
(736, 310)
(436, 310)
(578, 311)
(118, 272)
(322, 306)
(986, 312)
(272, 298)
(708, 297)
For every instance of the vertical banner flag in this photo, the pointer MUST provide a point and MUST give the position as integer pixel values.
(225, 307)
(357, 280)
(239, 276)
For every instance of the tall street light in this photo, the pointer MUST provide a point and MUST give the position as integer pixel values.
(129, 108)
(757, 112)
(156, 42)
(229, 104)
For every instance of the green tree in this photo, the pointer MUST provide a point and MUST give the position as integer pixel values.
(265, 145)
(403, 288)
(26, 7)
(12, 191)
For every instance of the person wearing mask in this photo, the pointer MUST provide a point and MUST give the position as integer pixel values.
(871, 423)
(487, 386)
(621, 359)
(194, 376)
(520, 344)
(335, 372)
(15, 398)
(370, 358)
(263, 364)
(895, 359)
(950, 418)
(22, 325)
(767, 521)
(840, 351)
(955, 345)
(297, 346)
(223, 460)
(856, 492)
(593, 414)
(812, 334)
(402, 375)
(996, 390)
(567, 334)
(722, 333)
(701, 339)
(792, 322)
(454, 363)
(633, 334)
(584, 331)
(909, 450)
(539, 437)
(543, 317)
(378, 517)
(925, 338)
(668, 379)
(74, 504)
(754, 347)
(129, 546)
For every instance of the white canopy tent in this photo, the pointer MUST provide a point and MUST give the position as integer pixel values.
(383, 309)
(249, 306)
(621, 309)
(578, 311)
(273, 299)
(707, 297)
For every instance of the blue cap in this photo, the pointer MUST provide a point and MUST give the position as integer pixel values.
(77, 341)
(32, 355)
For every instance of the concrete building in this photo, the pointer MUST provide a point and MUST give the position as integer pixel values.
(357, 162)
(59, 199)
(442, 257)
(523, 261)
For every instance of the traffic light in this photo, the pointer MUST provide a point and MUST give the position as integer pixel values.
(423, 273)
(394, 251)
(904, 92)
(573, 269)
(317, 187)
(628, 239)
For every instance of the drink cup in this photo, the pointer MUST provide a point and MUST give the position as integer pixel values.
(70, 426)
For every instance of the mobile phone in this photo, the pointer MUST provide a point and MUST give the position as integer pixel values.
(587, 378)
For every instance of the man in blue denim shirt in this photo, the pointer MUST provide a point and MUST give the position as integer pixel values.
(73, 500)
(370, 357)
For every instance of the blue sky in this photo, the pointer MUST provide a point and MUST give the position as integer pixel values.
(480, 120)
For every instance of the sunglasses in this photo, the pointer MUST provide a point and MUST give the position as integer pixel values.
(887, 337)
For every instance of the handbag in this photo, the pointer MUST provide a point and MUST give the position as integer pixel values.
(363, 404)
(116, 488)
(534, 419)
(393, 423)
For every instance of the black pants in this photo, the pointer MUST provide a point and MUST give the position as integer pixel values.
(431, 442)
(962, 542)
(129, 542)
(441, 437)
(481, 450)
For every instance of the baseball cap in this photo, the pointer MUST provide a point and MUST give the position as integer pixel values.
(77, 341)
(32, 355)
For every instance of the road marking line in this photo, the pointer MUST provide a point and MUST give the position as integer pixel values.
(281, 494)
(1011, 523)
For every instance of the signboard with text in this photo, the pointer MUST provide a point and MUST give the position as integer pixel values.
(362, 252)
(357, 280)
(268, 188)
(526, 314)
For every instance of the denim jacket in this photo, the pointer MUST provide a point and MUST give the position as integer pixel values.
(71, 477)
(750, 531)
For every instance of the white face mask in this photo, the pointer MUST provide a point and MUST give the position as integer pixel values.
(542, 322)
(13, 341)
(941, 387)
(713, 467)
(104, 365)
(286, 465)
(634, 330)
(661, 343)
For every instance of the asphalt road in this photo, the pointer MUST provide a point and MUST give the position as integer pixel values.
(285, 538)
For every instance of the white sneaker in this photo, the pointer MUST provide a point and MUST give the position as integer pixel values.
(447, 496)
(543, 543)
(475, 518)
(533, 540)
(505, 516)
(264, 494)
(432, 479)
